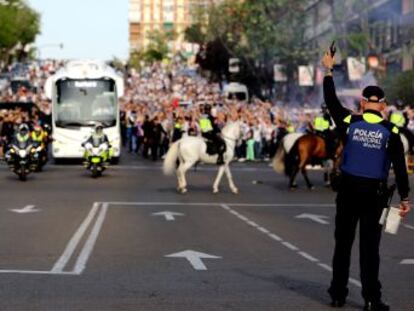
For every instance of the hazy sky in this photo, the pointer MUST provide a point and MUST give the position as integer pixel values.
(87, 28)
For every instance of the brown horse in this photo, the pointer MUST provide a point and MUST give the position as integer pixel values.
(308, 149)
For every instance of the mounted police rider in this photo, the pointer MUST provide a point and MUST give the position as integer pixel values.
(399, 118)
(322, 126)
(211, 132)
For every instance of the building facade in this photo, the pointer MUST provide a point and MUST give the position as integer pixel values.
(388, 24)
(147, 16)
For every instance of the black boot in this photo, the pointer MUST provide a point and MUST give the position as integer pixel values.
(376, 306)
(220, 159)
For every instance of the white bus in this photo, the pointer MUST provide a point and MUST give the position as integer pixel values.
(84, 93)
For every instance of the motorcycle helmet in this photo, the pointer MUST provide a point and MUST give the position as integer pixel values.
(24, 129)
(98, 128)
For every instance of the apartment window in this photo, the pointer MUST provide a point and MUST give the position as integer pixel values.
(407, 6)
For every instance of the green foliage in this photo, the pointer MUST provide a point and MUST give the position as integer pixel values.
(400, 86)
(157, 49)
(19, 26)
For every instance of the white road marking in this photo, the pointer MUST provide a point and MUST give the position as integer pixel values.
(194, 258)
(409, 227)
(290, 246)
(308, 257)
(25, 210)
(316, 218)
(74, 241)
(263, 230)
(169, 216)
(90, 242)
(35, 272)
(325, 266)
(298, 251)
(407, 262)
(276, 205)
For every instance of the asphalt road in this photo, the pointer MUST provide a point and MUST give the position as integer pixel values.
(75, 243)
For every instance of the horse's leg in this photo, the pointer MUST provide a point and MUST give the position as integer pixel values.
(184, 167)
(218, 179)
(292, 180)
(179, 176)
(302, 167)
(306, 177)
(233, 187)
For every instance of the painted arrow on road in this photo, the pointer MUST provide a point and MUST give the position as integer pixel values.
(25, 210)
(407, 262)
(169, 216)
(194, 258)
(316, 218)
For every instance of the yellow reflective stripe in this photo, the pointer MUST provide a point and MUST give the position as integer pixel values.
(398, 119)
(395, 130)
(348, 119)
(320, 124)
(372, 118)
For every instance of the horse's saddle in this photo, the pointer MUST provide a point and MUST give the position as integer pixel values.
(214, 147)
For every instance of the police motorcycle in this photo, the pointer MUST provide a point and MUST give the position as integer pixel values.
(97, 152)
(40, 157)
(20, 154)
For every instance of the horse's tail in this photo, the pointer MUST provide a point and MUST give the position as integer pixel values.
(170, 161)
(278, 163)
(291, 159)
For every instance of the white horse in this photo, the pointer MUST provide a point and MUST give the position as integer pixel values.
(190, 150)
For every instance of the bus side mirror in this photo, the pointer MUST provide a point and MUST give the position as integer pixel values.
(48, 88)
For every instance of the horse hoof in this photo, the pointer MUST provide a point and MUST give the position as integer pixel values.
(293, 187)
(183, 190)
(235, 191)
(311, 188)
(215, 191)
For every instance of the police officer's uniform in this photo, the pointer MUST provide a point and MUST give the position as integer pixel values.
(210, 131)
(399, 119)
(372, 144)
(322, 124)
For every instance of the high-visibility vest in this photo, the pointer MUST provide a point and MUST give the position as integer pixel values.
(320, 124)
(38, 138)
(205, 124)
(397, 118)
(21, 138)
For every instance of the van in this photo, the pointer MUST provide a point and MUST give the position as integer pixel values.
(236, 91)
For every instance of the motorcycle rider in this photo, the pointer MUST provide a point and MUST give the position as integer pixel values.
(20, 138)
(38, 136)
(211, 132)
(97, 138)
(22, 135)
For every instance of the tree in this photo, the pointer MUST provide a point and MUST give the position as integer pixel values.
(19, 26)
(400, 86)
(259, 32)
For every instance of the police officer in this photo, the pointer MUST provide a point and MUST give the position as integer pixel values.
(22, 135)
(38, 135)
(371, 145)
(399, 118)
(321, 125)
(210, 131)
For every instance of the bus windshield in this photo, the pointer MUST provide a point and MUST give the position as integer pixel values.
(85, 103)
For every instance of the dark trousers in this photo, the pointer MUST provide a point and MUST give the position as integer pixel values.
(363, 206)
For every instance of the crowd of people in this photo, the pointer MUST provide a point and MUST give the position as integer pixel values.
(162, 103)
